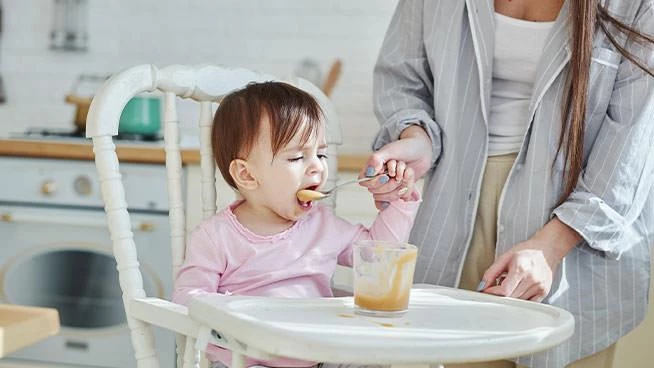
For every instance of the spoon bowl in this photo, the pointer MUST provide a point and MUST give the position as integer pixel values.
(307, 195)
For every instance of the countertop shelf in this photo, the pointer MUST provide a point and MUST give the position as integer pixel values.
(22, 326)
(136, 153)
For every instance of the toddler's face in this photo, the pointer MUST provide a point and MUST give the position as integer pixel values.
(296, 166)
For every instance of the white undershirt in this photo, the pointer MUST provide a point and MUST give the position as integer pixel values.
(519, 45)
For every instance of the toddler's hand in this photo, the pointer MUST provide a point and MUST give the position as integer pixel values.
(400, 185)
(403, 176)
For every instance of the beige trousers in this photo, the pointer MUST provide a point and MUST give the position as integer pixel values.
(482, 254)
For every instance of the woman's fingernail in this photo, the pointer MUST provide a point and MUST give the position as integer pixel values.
(481, 285)
(385, 204)
(384, 179)
(370, 171)
(402, 191)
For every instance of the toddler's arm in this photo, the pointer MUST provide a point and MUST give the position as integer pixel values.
(393, 223)
(202, 268)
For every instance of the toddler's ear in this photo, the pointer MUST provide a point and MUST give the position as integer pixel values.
(243, 177)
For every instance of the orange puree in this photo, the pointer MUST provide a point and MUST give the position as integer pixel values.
(306, 195)
(397, 298)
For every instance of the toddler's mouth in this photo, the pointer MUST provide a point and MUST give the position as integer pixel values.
(306, 204)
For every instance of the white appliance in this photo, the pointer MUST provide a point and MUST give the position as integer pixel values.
(55, 251)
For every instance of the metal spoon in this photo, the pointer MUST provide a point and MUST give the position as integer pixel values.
(306, 195)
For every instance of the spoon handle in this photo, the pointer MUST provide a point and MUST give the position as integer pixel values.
(354, 181)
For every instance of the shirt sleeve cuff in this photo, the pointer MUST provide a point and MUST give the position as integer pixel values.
(579, 224)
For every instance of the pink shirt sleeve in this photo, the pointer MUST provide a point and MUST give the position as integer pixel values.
(393, 223)
(202, 268)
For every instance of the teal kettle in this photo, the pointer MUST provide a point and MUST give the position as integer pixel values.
(141, 115)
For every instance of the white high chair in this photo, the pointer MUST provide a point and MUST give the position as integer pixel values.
(206, 85)
(442, 325)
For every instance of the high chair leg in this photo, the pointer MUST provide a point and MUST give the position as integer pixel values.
(191, 355)
(238, 360)
(143, 343)
(180, 341)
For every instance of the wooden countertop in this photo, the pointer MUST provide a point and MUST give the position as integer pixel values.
(23, 326)
(138, 153)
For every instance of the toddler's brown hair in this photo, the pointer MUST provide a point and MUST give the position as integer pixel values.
(237, 121)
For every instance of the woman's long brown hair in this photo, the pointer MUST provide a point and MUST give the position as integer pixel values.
(585, 16)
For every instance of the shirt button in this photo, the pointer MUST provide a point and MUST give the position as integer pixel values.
(501, 228)
(518, 167)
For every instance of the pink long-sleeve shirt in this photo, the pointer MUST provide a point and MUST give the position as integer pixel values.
(223, 256)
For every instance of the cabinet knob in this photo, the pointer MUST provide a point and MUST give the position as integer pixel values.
(83, 185)
(146, 226)
(49, 187)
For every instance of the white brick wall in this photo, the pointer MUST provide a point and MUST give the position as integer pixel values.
(270, 36)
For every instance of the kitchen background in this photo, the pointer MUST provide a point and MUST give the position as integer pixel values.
(269, 36)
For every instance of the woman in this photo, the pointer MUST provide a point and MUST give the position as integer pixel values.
(533, 121)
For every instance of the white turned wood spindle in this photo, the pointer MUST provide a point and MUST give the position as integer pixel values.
(191, 355)
(180, 343)
(124, 249)
(176, 214)
(207, 163)
(175, 191)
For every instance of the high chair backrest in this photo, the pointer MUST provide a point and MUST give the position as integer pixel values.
(205, 84)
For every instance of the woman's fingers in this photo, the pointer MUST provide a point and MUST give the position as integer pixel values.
(528, 276)
(534, 293)
(397, 183)
(396, 188)
(523, 286)
(374, 165)
(500, 266)
(507, 286)
(414, 150)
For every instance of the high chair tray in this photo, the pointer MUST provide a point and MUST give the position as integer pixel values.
(443, 325)
(22, 326)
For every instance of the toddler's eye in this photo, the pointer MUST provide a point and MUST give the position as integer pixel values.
(294, 159)
(322, 156)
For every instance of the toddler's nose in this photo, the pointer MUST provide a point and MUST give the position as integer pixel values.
(316, 167)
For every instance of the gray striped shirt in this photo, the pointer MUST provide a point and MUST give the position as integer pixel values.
(435, 69)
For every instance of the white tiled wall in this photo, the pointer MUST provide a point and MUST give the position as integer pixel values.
(266, 35)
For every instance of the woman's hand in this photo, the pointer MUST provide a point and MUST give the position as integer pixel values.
(398, 175)
(411, 154)
(527, 269)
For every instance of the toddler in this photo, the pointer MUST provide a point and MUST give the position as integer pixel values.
(269, 143)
